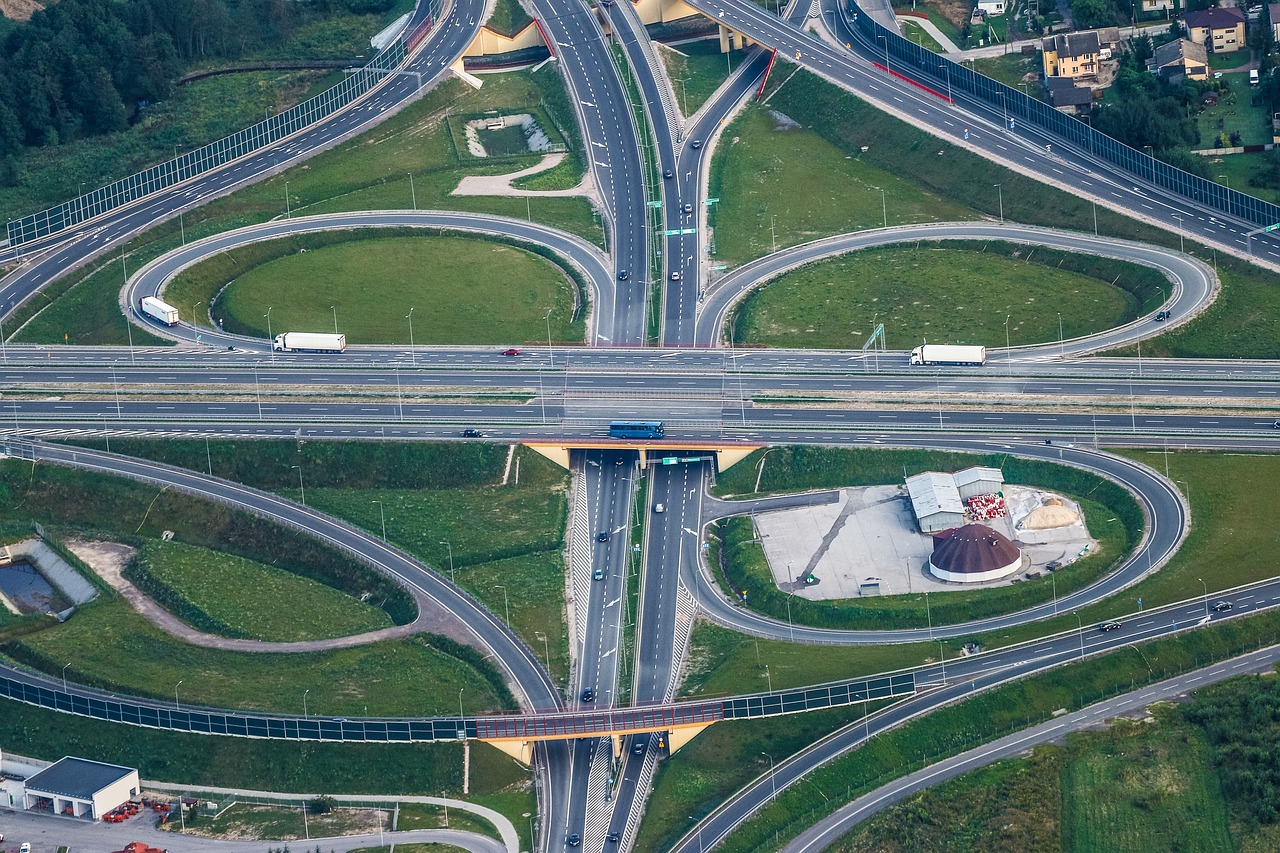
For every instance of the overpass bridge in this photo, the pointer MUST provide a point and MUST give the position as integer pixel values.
(512, 733)
(652, 451)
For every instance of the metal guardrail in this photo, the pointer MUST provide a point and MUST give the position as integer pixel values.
(915, 61)
(217, 154)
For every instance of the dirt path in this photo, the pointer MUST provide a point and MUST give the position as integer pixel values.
(108, 559)
(501, 184)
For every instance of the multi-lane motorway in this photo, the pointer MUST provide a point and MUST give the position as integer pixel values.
(708, 396)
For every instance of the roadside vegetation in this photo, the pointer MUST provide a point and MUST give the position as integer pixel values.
(370, 172)
(446, 504)
(696, 69)
(929, 291)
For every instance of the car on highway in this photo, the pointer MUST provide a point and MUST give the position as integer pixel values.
(1109, 626)
(1223, 606)
(675, 275)
(659, 508)
(602, 536)
(588, 695)
(687, 208)
(668, 174)
(25, 848)
(623, 275)
(472, 433)
(574, 840)
(1161, 316)
(697, 143)
(597, 575)
(614, 837)
(511, 351)
(637, 748)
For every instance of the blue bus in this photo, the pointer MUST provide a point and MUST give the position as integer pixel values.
(636, 429)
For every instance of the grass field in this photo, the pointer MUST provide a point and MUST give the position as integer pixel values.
(1235, 112)
(696, 70)
(370, 172)
(255, 600)
(465, 291)
(1008, 805)
(1013, 69)
(780, 184)
(926, 291)
(916, 33)
(508, 18)
(111, 646)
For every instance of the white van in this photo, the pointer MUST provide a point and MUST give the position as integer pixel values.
(1253, 77)
(659, 508)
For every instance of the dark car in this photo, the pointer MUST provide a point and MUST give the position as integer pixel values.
(1223, 606)
(588, 696)
(637, 748)
(668, 174)
(602, 536)
(511, 351)
(614, 837)
(697, 143)
(597, 575)
(472, 433)
(1109, 626)
(1161, 316)
(623, 275)
(574, 840)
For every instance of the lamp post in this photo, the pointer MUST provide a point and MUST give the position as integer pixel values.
(1079, 625)
(64, 678)
(301, 487)
(773, 776)
(412, 194)
(1181, 246)
(551, 356)
(193, 312)
(270, 339)
(413, 359)
(886, 53)
(1206, 597)
(383, 515)
(304, 702)
(334, 309)
(546, 649)
(1000, 199)
(446, 544)
(1008, 358)
(1226, 181)
(928, 614)
(461, 713)
(942, 656)
(288, 214)
(175, 694)
(884, 207)
(1061, 345)
(506, 602)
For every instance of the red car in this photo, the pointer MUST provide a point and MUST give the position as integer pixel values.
(511, 351)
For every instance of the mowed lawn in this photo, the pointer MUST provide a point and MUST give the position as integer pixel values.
(922, 291)
(109, 644)
(461, 291)
(246, 595)
(779, 183)
(697, 69)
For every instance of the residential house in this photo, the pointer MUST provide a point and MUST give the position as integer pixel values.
(1219, 30)
(992, 8)
(1273, 15)
(1149, 6)
(1066, 96)
(1179, 60)
(1072, 55)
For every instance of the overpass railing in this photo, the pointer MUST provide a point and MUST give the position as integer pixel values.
(910, 59)
(216, 154)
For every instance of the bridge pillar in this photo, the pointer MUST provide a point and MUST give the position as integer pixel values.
(678, 737)
(557, 453)
(520, 750)
(731, 456)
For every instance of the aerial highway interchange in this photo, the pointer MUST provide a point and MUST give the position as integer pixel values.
(702, 388)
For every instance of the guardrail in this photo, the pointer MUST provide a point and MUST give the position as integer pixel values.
(217, 154)
(914, 61)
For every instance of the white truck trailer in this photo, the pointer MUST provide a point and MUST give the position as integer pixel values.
(943, 354)
(159, 310)
(309, 342)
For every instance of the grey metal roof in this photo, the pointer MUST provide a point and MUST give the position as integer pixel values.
(77, 778)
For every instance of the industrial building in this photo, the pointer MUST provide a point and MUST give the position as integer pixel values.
(938, 500)
(78, 787)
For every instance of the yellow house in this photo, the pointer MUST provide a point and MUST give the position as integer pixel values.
(1219, 30)
(1072, 55)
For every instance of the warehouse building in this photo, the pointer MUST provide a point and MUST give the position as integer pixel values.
(973, 553)
(81, 788)
(938, 500)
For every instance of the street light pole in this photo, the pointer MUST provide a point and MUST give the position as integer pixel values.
(884, 208)
(448, 545)
(506, 602)
(1079, 625)
(928, 614)
(64, 678)
(301, 487)
(383, 515)
(1008, 358)
(1062, 353)
(1000, 197)
(773, 776)
(304, 702)
(270, 339)
(413, 358)
(175, 695)
(1206, 596)
(551, 356)
(334, 309)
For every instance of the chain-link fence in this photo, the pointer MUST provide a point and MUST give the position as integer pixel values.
(911, 60)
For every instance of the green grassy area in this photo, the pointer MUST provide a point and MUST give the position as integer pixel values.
(412, 816)
(1237, 170)
(271, 765)
(253, 600)
(1235, 111)
(913, 32)
(278, 822)
(109, 645)
(696, 70)
(443, 503)
(466, 291)
(934, 14)
(369, 172)
(1010, 805)
(508, 18)
(929, 291)
(1013, 69)
(780, 185)
(1139, 787)
(987, 716)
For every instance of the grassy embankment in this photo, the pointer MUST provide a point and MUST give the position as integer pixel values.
(466, 291)
(370, 172)
(696, 69)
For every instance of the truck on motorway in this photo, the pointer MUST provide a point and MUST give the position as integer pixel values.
(159, 310)
(309, 342)
(944, 354)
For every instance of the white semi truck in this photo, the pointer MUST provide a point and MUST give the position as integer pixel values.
(309, 342)
(158, 310)
(943, 354)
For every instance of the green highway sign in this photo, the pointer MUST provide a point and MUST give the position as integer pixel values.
(655, 204)
(688, 231)
(669, 460)
(719, 266)
(713, 201)
(1271, 228)
(673, 233)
